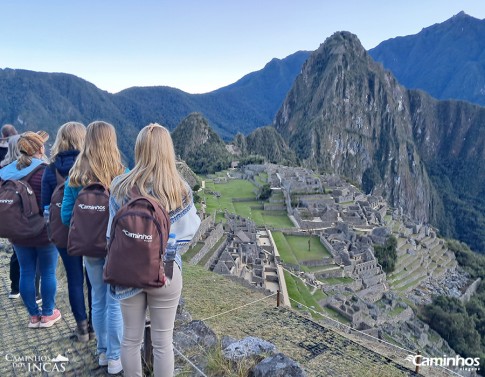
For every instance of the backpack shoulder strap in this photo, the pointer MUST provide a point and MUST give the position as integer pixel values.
(28, 176)
(95, 185)
(59, 178)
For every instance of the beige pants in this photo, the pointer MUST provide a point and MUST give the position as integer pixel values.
(162, 303)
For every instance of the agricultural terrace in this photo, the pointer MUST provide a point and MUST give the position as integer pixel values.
(239, 196)
(294, 249)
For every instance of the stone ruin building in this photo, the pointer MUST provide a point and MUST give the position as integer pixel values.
(248, 254)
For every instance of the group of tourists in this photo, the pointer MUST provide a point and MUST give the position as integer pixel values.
(83, 160)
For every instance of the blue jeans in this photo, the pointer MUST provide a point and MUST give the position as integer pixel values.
(47, 256)
(75, 283)
(106, 312)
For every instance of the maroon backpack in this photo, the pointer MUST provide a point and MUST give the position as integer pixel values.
(19, 210)
(138, 239)
(58, 232)
(89, 222)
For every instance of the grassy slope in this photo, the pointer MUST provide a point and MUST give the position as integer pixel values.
(233, 310)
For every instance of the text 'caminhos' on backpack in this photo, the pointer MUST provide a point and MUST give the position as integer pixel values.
(89, 222)
(138, 240)
(19, 211)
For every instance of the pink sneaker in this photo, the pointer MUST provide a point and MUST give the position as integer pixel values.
(34, 322)
(49, 320)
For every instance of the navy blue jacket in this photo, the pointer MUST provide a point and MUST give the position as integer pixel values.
(63, 163)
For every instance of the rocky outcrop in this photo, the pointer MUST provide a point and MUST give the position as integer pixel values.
(199, 146)
(346, 114)
(267, 142)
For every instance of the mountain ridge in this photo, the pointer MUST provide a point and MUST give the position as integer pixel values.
(441, 59)
(346, 114)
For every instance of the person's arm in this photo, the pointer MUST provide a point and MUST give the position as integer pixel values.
(113, 208)
(186, 226)
(67, 204)
(48, 185)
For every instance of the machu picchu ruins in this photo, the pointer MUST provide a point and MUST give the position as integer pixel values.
(348, 224)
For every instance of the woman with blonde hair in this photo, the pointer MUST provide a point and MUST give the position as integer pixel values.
(67, 146)
(99, 161)
(155, 175)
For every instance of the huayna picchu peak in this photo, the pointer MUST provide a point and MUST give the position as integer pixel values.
(346, 114)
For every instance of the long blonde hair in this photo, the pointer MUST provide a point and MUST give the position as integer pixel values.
(70, 137)
(100, 159)
(155, 173)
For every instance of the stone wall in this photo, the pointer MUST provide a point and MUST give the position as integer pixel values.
(318, 262)
(470, 291)
(328, 246)
(335, 273)
(215, 255)
(274, 207)
(214, 237)
(205, 225)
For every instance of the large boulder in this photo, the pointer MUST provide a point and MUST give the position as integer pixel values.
(278, 365)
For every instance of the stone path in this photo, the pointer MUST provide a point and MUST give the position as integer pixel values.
(29, 352)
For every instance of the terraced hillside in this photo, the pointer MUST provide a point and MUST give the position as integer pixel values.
(420, 256)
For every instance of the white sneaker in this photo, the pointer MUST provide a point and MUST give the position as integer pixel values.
(114, 366)
(14, 294)
(102, 360)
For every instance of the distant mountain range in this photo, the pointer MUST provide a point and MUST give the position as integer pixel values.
(447, 60)
(336, 109)
(35, 100)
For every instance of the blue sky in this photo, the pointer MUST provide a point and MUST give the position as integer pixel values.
(196, 46)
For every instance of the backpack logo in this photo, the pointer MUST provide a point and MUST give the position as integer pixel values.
(59, 204)
(91, 207)
(138, 236)
(6, 201)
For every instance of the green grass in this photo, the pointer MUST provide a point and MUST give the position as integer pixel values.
(345, 280)
(299, 246)
(206, 257)
(261, 178)
(189, 254)
(276, 219)
(284, 248)
(277, 195)
(242, 189)
(323, 268)
(294, 249)
(298, 291)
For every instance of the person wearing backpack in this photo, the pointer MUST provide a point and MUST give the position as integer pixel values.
(154, 176)
(97, 164)
(34, 244)
(14, 274)
(66, 147)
